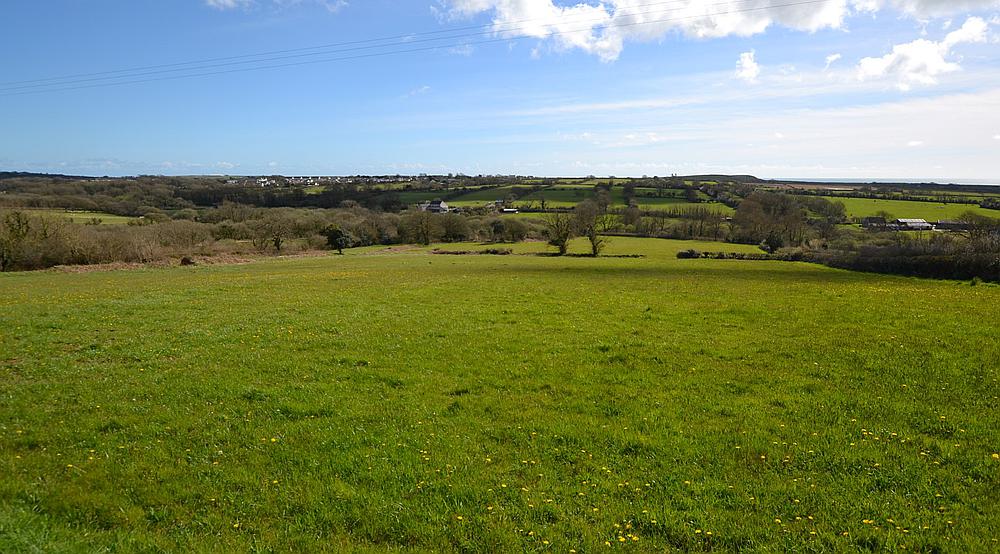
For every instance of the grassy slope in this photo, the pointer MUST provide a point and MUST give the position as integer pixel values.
(416, 197)
(484, 196)
(498, 403)
(862, 207)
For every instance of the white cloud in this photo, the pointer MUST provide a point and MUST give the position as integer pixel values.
(920, 62)
(572, 26)
(586, 136)
(832, 59)
(639, 139)
(604, 28)
(462, 50)
(417, 91)
(336, 5)
(748, 68)
(228, 4)
(996, 137)
(934, 8)
(915, 143)
(974, 30)
(331, 5)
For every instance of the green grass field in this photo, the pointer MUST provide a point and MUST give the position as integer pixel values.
(82, 216)
(416, 197)
(398, 400)
(484, 196)
(681, 204)
(931, 211)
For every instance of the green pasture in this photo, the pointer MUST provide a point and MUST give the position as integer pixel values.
(908, 209)
(484, 196)
(560, 196)
(681, 204)
(398, 400)
(415, 197)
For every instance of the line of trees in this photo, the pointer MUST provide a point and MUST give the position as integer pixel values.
(29, 240)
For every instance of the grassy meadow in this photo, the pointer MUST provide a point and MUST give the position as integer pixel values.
(392, 399)
(909, 209)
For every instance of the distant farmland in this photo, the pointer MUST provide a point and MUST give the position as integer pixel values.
(931, 211)
(569, 195)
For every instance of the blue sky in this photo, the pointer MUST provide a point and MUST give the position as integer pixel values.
(775, 88)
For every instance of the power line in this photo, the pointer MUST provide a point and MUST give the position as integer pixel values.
(61, 88)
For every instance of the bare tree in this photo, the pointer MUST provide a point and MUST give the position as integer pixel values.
(273, 229)
(559, 227)
(421, 227)
(589, 220)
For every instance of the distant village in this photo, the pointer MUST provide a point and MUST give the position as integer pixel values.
(422, 180)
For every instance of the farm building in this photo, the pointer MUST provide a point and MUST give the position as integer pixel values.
(913, 225)
(951, 225)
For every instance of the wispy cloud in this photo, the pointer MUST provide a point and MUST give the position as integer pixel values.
(462, 50)
(331, 5)
(417, 92)
(805, 83)
(228, 4)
